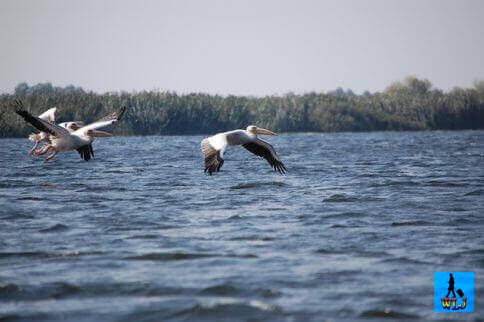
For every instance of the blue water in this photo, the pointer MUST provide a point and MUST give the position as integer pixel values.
(354, 230)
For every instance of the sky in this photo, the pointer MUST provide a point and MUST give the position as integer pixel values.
(245, 47)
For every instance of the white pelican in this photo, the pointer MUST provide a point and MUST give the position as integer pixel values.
(62, 139)
(70, 126)
(214, 147)
(49, 116)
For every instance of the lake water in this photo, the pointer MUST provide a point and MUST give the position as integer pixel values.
(354, 230)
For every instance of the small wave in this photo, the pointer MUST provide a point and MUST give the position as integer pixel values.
(440, 183)
(221, 290)
(230, 290)
(23, 254)
(117, 171)
(258, 184)
(479, 251)
(369, 175)
(233, 218)
(328, 251)
(14, 292)
(38, 316)
(268, 239)
(46, 254)
(30, 198)
(251, 238)
(456, 209)
(184, 256)
(180, 184)
(6, 184)
(55, 228)
(403, 260)
(122, 228)
(462, 220)
(477, 192)
(372, 254)
(102, 189)
(411, 223)
(387, 313)
(340, 198)
(144, 237)
(370, 199)
(170, 256)
(62, 289)
(338, 226)
(241, 255)
(244, 238)
(9, 291)
(390, 183)
(346, 215)
(48, 186)
(17, 215)
(220, 308)
(153, 184)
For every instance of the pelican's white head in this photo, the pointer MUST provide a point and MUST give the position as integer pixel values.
(252, 129)
(72, 126)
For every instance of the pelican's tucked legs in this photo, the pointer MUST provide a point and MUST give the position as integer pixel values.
(51, 156)
(34, 147)
(43, 151)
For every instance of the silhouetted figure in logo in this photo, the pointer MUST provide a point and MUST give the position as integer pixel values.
(451, 286)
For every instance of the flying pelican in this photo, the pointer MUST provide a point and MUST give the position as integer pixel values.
(214, 147)
(49, 116)
(62, 139)
(43, 136)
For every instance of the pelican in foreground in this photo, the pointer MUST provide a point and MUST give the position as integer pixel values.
(48, 116)
(45, 137)
(213, 148)
(62, 139)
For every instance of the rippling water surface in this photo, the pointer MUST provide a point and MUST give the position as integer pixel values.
(354, 230)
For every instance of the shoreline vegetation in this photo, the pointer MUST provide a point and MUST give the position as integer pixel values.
(411, 104)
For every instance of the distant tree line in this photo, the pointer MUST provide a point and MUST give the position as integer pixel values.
(412, 104)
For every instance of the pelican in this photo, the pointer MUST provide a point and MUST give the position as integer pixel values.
(214, 147)
(49, 116)
(62, 139)
(70, 126)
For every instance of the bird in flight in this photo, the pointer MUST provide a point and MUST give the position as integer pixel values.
(213, 148)
(61, 139)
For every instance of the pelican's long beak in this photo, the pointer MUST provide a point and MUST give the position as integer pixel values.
(264, 131)
(101, 134)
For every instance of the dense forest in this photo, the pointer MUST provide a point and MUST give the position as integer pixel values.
(412, 104)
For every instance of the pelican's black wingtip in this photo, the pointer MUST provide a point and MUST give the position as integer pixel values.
(18, 105)
(120, 112)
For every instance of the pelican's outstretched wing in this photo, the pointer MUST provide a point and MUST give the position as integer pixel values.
(49, 115)
(105, 121)
(38, 123)
(213, 157)
(263, 149)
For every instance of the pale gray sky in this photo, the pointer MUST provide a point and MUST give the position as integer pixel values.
(248, 47)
